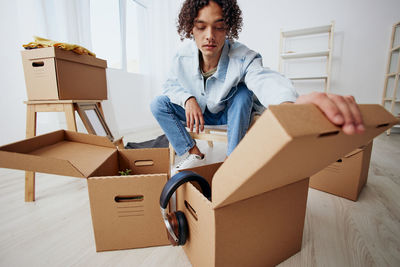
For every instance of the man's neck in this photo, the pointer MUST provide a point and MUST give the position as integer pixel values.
(207, 64)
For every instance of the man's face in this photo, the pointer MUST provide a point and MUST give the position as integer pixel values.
(209, 30)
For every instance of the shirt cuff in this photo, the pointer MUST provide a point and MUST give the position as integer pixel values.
(185, 97)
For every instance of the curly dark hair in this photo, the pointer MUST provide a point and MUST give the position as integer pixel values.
(230, 11)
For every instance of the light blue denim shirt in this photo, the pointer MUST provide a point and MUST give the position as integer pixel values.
(236, 64)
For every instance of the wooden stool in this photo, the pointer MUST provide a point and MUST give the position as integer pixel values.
(32, 107)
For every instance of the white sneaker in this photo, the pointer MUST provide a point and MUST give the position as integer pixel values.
(191, 161)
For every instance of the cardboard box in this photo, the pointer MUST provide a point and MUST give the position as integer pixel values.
(347, 176)
(259, 194)
(55, 74)
(125, 209)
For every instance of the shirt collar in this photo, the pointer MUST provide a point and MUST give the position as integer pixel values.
(222, 64)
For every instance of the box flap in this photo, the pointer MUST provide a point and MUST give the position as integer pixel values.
(58, 53)
(356, 151)
(286, 144)
(146, 160)
(61, 152)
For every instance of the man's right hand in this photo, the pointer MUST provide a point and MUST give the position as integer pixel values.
(194, 116)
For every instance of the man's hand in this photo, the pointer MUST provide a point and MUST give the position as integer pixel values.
(194, 116)
(341, 110)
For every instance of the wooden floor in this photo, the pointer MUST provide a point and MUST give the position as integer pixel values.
(56, 230)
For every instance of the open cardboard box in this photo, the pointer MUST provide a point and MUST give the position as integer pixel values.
(55, 74)
(259, 194)
(347, 176)
(125, 209)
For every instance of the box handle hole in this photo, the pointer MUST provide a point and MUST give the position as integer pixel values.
(141, 163)
(339, 160)
(191, 210)
(135, 198)
(382, 125)
(38, 64)
(328, 134)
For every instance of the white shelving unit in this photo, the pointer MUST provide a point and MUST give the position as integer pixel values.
(391, 90)
(286, 56)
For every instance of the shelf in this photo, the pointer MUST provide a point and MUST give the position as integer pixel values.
(391, 74)
(396, 48)
(310, 77)
(391, 99)
(305, 54)
(307, 31)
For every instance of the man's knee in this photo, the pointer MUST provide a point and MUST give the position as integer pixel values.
(159, 104)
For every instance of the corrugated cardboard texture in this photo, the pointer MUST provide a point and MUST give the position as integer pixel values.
(200, 246)
(61, 152)
(345, 177)
(260, 231)
(145, 161)
(289, 142)
(52, 73)
(120, 222)
(263, 230)
(129, 222)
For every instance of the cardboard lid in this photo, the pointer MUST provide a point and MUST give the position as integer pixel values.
(286, 144)
(61, 152)
(354, 152)
(58, 53)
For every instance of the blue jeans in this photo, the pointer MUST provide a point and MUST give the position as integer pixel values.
(236, 115)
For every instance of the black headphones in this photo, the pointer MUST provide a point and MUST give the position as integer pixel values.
(176, 223)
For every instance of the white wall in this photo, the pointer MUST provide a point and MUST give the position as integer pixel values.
(361, 39)
(12, 109)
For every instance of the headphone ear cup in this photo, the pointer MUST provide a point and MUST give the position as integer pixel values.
(182, 227)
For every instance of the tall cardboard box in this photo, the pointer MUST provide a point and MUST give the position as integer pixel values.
(125, 210)
(55, 74)
(347, 176)
(259, 194)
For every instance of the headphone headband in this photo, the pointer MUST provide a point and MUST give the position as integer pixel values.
(177, 180)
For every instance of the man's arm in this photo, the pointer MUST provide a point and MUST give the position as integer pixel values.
(272, 88)
(173, 88)
(182, 97)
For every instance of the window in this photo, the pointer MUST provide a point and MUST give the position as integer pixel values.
(117, 32)
(105, 31)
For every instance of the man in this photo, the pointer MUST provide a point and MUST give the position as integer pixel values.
(217, 81)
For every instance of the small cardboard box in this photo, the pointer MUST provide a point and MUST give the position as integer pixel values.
(259, 194)
(125, 209)
(347, 176)
(55, 74)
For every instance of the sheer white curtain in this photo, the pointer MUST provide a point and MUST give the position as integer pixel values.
(62, 20)
(163, 40)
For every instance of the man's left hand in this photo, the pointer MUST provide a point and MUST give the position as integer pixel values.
(341, 110)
